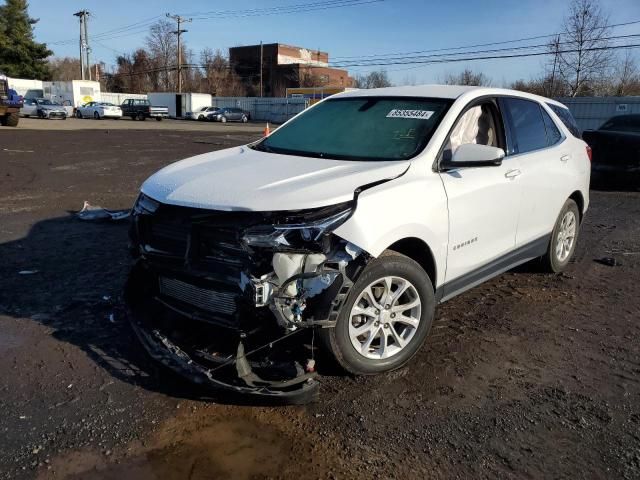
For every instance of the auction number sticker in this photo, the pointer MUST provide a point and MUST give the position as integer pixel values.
(418, 114)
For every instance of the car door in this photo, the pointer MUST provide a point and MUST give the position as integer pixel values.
(545, 160)
(483, 202)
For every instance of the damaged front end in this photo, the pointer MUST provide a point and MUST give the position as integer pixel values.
(230, 299)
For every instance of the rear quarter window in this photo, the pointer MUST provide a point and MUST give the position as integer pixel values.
(567, 118)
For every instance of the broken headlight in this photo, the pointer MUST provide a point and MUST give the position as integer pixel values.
(295, 230)
(145, 204)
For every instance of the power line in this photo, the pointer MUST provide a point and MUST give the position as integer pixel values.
(142, 26)
(503, 42)
(346, 64)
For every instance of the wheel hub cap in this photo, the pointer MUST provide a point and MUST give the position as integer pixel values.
(384, 318)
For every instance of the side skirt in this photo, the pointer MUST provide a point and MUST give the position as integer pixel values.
(500, 265)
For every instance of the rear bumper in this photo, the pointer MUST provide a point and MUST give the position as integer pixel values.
(159, 114)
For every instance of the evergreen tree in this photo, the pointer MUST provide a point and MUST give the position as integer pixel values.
(20, 55)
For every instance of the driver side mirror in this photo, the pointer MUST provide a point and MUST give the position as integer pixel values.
(473, 155)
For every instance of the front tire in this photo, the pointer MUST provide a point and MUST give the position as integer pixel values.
(386, 317)
(78, 114)
(96, 115)
(563, 239)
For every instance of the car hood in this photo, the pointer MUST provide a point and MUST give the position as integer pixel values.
(52, 107)
(241, 178)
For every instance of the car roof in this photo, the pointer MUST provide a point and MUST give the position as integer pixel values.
(442, 91)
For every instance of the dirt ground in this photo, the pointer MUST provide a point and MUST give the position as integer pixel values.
(527, 376)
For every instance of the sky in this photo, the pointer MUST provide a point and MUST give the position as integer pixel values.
(386, 26)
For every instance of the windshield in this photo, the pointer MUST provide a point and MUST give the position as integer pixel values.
(360, 128)
(46, 102)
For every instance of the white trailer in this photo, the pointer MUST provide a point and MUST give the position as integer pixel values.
(27, 88)
(180, 103)
(77, 92)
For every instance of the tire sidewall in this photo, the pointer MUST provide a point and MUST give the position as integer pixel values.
(555, 263)
(384, 266)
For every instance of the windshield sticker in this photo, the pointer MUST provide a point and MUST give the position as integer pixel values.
(418, 114)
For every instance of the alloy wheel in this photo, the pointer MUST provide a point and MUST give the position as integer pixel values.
(566, 236)
(384, 318)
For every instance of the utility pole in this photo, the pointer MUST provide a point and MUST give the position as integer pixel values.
(180, 20)
(556, 45)
(86, 42)
(83, 44)
(261, 62)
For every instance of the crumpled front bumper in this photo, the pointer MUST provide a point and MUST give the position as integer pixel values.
(161, 349)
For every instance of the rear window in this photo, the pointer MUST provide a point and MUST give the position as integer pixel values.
(624, 123)
(565, 115)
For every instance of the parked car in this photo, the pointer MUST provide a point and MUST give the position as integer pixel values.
(616, 150)
(48, 109)
(29, 107)
(10, 104)
(139, 109)
(202, 114)
(99, 110)
(402, 198)
(228, 115)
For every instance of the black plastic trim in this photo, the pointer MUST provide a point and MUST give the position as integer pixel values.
(500, 265)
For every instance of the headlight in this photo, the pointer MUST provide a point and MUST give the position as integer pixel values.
(300, 228)
(145, 204)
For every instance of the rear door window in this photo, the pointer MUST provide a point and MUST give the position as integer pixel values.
(527, 125)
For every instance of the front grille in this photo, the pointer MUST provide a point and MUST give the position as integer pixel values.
(208, 300)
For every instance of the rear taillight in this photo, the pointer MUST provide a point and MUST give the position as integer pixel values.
(589, 153)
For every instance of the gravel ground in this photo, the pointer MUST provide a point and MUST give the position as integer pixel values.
(526, 376)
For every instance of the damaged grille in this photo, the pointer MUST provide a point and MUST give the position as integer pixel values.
(208, 300)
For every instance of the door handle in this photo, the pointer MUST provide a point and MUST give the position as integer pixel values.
(565, 158)
(512, 173)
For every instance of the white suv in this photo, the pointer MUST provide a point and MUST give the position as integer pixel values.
(352, 220)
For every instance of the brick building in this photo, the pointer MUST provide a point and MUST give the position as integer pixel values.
(284, 66)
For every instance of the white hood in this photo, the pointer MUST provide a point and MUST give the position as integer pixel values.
(244, 179)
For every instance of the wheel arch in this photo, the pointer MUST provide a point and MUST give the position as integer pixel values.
(579, 199)
(418, 250)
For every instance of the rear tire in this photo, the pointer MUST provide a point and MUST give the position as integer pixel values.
(563, 239)
(78, 114)
(158, 119)
(96, 115)
(11, 120)
(389, 338)
(141, 116)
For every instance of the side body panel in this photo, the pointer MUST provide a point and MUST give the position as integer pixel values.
(413, 205)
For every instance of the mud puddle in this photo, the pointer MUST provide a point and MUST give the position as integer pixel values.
(214, 444)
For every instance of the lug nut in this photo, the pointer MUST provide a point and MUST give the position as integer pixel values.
(393, 315)
(377, 312)
(387, 307)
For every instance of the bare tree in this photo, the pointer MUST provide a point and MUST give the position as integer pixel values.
(626, 76)
(66, 68)
(581, 59)
(376, 79)
(219, 79)
(163, 50)
(467, 77)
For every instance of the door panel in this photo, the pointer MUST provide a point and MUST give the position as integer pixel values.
(483, 204)
(545, 159)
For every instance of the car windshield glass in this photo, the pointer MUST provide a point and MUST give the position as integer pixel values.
(45, 102)
(360, 128)
(107, 104)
